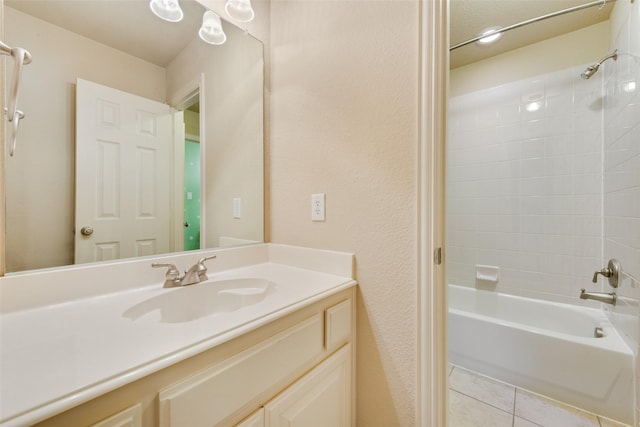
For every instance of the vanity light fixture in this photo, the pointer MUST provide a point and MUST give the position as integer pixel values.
(239, 10)
(169, 10)
(490, 35)
(211, 30)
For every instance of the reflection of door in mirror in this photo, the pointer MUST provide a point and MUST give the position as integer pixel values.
(123, 173)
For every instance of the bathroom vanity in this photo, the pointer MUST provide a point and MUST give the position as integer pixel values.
(267, 340)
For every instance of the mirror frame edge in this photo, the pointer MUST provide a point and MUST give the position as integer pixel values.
(200, 81)
(2, 124)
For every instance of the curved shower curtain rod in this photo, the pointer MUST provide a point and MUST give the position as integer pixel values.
(539, 18)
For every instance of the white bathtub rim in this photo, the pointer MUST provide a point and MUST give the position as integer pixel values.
(611, 341)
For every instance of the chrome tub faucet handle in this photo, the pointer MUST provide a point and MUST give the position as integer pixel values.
(612, 272)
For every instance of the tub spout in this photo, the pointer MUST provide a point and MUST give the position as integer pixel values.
(597, 296)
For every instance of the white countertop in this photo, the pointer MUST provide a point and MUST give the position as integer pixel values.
(55, 357)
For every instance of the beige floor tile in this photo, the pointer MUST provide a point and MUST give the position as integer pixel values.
(483, 388)
(465, 411)
(604, 422)
(521, 422)
(549, 413)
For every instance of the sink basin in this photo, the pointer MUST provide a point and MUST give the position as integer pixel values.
(193, 302)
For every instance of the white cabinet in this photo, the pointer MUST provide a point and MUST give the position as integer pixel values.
(130, 417)
(295, 371)
(321, 398)
(224, 393)
(254, 420)
(338, 325)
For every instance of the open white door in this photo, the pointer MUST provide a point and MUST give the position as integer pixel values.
(123, 169)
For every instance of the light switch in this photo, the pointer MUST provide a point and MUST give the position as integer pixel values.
(237, 207)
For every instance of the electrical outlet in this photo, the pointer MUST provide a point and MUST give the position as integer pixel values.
(317, 207)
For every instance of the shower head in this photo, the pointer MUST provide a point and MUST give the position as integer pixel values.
(592, 69)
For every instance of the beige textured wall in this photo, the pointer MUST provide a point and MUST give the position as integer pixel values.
(344, 122)
(578, 47)
(41, 174)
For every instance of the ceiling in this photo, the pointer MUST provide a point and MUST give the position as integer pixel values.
(126, 25)
(470, 17)
(158, 41)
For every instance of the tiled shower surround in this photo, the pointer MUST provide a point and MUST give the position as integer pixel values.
(543, 181)
(524, 185)
(621, 178)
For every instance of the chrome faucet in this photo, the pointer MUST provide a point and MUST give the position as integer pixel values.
(609, 298)
(196, 274)
(612, 272)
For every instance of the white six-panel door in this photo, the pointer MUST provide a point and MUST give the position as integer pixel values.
(123, 171)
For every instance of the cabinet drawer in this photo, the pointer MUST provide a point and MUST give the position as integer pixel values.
(211, 396)
(338, 325)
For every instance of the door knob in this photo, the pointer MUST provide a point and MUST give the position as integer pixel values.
(86, 231)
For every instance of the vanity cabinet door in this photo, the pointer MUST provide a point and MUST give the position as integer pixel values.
(338, 325)
(319, 399)
(130, 417)
(221, 392)
(254, 420)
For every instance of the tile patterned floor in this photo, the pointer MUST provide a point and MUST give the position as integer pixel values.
(479, 401)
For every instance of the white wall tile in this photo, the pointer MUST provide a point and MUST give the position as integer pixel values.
(527, 186)
(508, 114)
(590, 204)
(558, 145)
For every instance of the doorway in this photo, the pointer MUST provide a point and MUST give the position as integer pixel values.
(188, 223)
(532, 206)
(192, 177)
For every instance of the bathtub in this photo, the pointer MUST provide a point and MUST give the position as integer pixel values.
(545, 347)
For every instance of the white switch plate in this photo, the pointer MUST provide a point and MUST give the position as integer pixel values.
(237, 207)
(317, 207)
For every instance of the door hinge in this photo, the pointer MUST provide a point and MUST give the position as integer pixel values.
(437, 256)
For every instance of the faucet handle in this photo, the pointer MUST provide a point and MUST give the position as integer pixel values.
(202, 269)
(206, 258)
(172, 273)
(605, 272)
(612, 272)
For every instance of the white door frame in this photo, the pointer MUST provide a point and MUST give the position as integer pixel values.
(432, 402)
(177, 182)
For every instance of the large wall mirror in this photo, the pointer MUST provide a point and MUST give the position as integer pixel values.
(139, 138)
